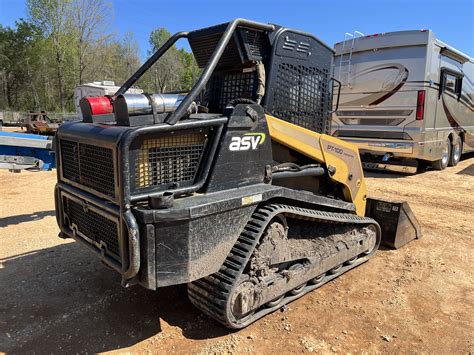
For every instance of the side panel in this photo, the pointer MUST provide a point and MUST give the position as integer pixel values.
(455, 107)
(243, 153)
(190, 249)
(299, 89)
(467, 97)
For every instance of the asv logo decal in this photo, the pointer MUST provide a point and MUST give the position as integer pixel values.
(247, 141)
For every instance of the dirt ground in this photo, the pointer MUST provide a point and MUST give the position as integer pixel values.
(55, 296)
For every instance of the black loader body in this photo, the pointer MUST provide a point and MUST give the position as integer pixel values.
(105, 205)
(233, 188)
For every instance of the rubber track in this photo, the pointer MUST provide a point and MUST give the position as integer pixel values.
(211, 294)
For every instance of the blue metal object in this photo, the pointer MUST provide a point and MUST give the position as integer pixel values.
(26, 151)
(24, 136)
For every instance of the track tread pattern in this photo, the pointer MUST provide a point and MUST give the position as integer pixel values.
(211, 294)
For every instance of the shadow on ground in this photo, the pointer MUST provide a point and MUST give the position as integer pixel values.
(467, 156)
(29, 217)
(62, 299)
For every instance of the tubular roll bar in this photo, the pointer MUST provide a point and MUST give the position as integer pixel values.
(208, 70)
(211, 65)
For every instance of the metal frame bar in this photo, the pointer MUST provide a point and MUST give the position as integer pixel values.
(124, 156)
(338, 94)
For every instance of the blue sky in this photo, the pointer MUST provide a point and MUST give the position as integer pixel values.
(451, 20)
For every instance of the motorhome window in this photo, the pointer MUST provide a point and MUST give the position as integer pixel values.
(450, 83)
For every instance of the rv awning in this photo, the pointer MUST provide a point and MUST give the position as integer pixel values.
(455, 55)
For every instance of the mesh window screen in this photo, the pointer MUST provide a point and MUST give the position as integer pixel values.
(301, 96)
(299, 88)
(231, 85)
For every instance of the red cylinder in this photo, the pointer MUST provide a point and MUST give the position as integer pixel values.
(100, 105)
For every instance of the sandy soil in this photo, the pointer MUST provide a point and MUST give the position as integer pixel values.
(57, 297)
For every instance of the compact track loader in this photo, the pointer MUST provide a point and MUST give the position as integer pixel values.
(235, 187)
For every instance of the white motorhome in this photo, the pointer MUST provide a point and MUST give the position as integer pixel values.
(406, 97)
(98, 88)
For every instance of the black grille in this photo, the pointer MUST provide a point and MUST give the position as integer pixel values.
(203, 43)
(171, 160)
(93, 226)
(245, 45)
(256, 44)
(231, 85)
(88, 165)
(302, 96)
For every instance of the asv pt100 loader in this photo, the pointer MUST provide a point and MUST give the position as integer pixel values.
(234, 188)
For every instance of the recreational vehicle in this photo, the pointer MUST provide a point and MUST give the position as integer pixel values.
(406, 100)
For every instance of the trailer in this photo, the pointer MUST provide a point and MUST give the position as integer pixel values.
(22, 151)
(406, 98)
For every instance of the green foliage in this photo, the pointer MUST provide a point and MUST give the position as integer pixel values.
(177, 70)
(18, 60)
(64, 43)
(191, 70)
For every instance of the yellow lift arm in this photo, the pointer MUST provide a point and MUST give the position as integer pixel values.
(341, 158)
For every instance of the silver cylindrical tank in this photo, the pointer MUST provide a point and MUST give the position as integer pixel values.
(139, 104)
(133, 104)
(166, 102)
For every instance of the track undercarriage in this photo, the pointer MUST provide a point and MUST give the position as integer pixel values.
(283, 253)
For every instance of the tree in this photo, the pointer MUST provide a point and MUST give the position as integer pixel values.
(176, 70)
(65, 43)
(191, 70)
(18, 61)
(129, 54)
(90, 22)
(54, 18)
(118, 59)
(168, 70)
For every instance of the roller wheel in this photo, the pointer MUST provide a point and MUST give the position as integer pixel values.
(351, 261)
(335, 270)
(243, 290)
(275, 302)
(300, 288)
(374, 244)
(317, 279)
